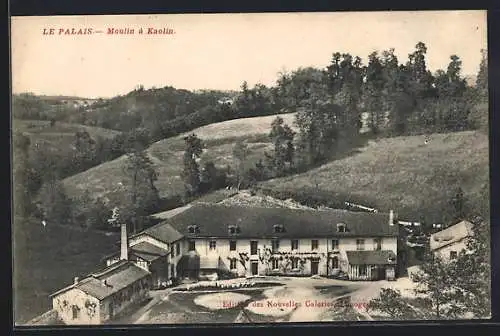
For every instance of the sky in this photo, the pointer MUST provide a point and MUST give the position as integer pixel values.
(220, 51)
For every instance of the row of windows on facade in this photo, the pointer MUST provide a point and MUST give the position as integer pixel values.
(278, 228)
(275, 245)
(276, 263)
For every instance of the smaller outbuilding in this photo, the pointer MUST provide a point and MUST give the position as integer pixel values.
(103, 295)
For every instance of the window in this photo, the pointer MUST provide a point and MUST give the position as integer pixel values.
(75, 311)
(276, 263)
(172, 251)
(193, 229)
(377, 244)
(253, 247)
(295, 244)
(341, 227)
(278, 228)
(335, 244)
(192, 245)
(335, 262)
(314, 244)
(275, 245)
(360, 244)
(362, 270)
(178, 248)
(232, 245)
(212, 244)
(453, 254)
(232, 264)
(295, 263)
(233, 229)
(172, 270)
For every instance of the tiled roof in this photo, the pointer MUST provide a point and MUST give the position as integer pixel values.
(148, 251)
(451, 235)
(163, 232)
(108, 281)
(254, 222)
(371, 257)
(143, 250)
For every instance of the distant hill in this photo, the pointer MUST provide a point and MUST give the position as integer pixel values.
(58, 137)
(407, 174)
(108, 178)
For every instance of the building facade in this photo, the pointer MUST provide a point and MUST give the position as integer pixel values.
(210, 240)
(450, 241)
(102, 296)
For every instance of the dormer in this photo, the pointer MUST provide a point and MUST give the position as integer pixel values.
(278, 228)
(233, 229)
(341, 228)
(193, 229)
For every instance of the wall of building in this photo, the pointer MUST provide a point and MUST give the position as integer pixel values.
(444, 252)
(86, 307)
(145, 238)
(304, 252)
(114, 305)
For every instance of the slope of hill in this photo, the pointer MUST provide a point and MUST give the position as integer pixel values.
(59, 136)
(108, 179)
(48, 258)
(408, 174)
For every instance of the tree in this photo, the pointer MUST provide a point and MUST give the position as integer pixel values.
(373, 92)
(55, 205)
(391, 303)
(240, 153)
(471, 272)
(191, 172)
(482, 75)
(211, 177)
(85, 150)
(143, 193)
(435, 283)
(282, 137)
(458, 203)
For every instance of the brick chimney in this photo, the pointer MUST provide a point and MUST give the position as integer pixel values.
(124, 242)
(391, 217)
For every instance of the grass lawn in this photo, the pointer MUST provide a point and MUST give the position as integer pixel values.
(403, 173)
(218, 138)
(47, 259)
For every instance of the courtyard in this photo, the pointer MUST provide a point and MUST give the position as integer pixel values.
(262, 300)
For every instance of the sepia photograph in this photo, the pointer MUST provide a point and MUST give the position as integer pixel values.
(190, 169)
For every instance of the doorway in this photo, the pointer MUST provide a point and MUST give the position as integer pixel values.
(255, 268)
(314, 267)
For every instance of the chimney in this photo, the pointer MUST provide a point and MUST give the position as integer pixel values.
(391, 218)
(75, 280)
(124, 242)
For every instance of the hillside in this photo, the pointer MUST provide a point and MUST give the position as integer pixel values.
(59, 136)
(108, 178)
(404, 173)
(48, 258)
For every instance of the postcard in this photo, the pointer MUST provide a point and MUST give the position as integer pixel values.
(250, 168)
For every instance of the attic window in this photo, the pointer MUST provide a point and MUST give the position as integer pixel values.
(341, 227)
(193, 229)
(278, 228)
(233, 229)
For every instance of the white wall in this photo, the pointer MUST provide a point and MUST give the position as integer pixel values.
(305, 246)
(78, 298)
(444, 252)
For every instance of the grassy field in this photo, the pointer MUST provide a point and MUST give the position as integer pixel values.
(108, 178)
(47, 259)
(59, 137)
(403, 173)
